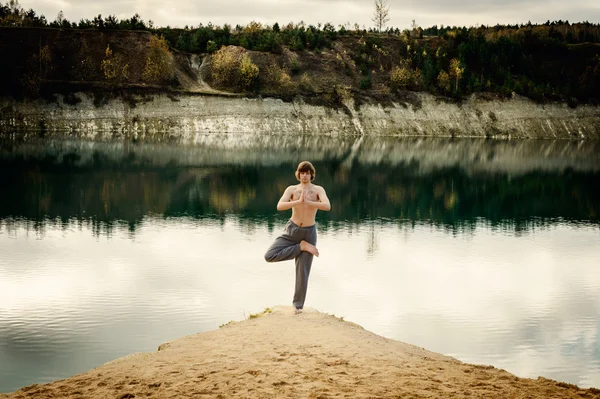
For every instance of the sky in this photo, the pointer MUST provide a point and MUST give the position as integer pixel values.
(338, 12)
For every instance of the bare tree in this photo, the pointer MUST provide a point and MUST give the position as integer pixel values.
(60, 18)
(381, 16)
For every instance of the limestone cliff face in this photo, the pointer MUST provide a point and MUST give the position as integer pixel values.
(184, 117)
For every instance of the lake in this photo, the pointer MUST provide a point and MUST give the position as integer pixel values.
(487, 251)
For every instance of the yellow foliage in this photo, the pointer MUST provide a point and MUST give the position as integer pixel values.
(232, 67)
(277, 76)
(443, 81)
(400, 77)
(253, 27)
(248, 72)
(343, 93)
(45, 55)
(113, 66)
(450, 200)
(455, 71)
(224, 63)
(159, 62)
(403, 76)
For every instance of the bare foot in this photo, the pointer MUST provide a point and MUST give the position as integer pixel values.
(298, 311)
(308, 247)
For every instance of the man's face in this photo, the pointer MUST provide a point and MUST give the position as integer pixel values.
(304, 176)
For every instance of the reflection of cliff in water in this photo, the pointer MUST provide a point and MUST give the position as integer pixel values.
(451, 183)
(513, 157)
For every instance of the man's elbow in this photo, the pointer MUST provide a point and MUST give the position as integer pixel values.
(327, 207)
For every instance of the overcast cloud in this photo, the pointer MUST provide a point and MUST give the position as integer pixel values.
(402, 12)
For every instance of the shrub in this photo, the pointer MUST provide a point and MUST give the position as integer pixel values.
(211, 46)
(403, 76)
(231, 67)
(224, 64)
(365, 82)
(113, 66)
(277, 77)
(306, 82)
(295, 67)
(343, 93)
(159, 62)
(248, 72)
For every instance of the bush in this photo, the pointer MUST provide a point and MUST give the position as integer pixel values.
(306, 83)
(277, 77)
(211, 46)
(248, 72)
(113, 66)
(159, 62)
(231, 67)
(224, 65)
(365, 82)
(295, 67)
(343, 93)
(403, 76)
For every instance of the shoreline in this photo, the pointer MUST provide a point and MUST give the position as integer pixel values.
(311, 355)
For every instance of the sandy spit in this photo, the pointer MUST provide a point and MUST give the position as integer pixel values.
(283, 355)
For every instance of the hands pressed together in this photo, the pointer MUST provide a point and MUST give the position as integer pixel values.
(303, 200)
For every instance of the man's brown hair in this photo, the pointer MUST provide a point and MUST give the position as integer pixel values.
(306, 166)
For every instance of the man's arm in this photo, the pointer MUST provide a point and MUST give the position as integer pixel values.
(323, 203)
(284, 202)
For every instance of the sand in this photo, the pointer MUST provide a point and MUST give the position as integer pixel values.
(282, 355)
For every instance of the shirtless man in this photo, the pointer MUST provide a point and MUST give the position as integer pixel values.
(300, 233)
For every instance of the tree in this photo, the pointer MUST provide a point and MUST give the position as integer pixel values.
(60, 18)
(456, 72)
(443, 81)
(158, 62)
(381, 16)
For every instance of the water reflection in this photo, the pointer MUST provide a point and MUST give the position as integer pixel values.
(486, 251)
(446, 183)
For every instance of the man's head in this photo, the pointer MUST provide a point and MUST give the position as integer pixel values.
(306, 166)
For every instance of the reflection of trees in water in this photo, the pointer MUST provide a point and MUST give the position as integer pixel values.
(448, 198)
(373, 244)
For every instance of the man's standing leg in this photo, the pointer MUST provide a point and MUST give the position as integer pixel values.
(303, 265)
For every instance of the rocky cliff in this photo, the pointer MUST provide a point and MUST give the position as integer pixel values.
(182, 117)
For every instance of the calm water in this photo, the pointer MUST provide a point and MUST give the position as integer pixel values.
(486, 251)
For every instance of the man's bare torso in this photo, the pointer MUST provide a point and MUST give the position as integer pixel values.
(304, 215)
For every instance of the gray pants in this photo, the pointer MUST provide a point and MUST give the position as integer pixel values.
(287, 247)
